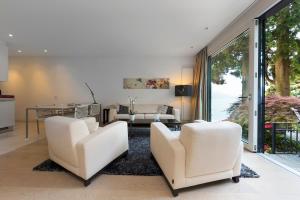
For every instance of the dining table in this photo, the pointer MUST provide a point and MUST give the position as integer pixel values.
(61, 109)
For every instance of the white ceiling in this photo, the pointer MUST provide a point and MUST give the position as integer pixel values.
(114, 27)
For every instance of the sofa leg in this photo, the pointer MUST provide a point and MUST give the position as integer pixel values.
(236, 179)
(87, 182)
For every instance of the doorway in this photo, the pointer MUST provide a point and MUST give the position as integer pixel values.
(279, 87)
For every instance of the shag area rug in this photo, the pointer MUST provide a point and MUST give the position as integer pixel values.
(137, 162)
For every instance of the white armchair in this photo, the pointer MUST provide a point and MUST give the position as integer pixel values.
(72, 146)
(201, 153)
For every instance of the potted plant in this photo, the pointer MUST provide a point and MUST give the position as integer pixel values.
(131, 108)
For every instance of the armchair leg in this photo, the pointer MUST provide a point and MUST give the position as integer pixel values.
(125, 154)
(151, 155)
(87, 182)
(236, 179)
(174, 192)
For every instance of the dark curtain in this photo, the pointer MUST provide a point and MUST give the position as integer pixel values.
(199, 98)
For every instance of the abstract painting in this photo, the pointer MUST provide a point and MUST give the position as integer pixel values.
(144, 83)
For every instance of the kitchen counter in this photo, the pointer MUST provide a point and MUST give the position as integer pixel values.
(6, 96)
(7, 112)
(7, 99)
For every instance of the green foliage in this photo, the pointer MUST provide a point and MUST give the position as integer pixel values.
(282, 40)
(295, 89)
(278, 109)
(238, 113)
(283, 144)
(231, 59)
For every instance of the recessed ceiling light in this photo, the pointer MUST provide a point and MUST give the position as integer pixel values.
(19, 51)
(10, 35)
(45, 51)
(206, 28)
(191, 47)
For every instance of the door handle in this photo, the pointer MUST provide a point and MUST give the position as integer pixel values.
(248, 97)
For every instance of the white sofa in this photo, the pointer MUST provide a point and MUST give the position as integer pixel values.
(144, 111)
(84, 153)
(200, 153)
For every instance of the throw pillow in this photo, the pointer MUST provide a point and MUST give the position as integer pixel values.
(162, 109)
(91, 123)
(170, 110)
(123, 109)
(93, 127)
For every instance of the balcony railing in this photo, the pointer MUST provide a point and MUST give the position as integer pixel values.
(283, 137)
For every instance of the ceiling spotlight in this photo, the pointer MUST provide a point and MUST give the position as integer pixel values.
(10, 35)
(45, 51)
(206, 28)
(19, 51)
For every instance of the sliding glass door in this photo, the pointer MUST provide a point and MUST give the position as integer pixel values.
(229, 81)
(280, 83)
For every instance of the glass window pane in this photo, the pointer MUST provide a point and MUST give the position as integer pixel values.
(229, 83)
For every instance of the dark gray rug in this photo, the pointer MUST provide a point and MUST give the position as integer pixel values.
(137, 162)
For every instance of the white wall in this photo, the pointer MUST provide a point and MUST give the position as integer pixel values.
(48, 80)
(3, 61)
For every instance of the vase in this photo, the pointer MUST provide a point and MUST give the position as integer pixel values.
(132, 117)
(156, 117)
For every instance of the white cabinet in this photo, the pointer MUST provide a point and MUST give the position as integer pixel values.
(3, 62)
(7, 113)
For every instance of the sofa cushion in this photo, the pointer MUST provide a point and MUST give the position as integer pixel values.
(139, 116)
(126, 116)
(166, 116)
(122, 116)
(149, 116)
(161, 116)
(145, 108)
(91, 123)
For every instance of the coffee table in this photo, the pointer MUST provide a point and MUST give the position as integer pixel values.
(146, 123)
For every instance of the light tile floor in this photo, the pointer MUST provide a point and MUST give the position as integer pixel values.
(291, 161)
(15, 139)
(18, 181)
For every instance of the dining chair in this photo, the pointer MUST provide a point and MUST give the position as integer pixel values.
(95, 110)
(81, 111)
(42, 113)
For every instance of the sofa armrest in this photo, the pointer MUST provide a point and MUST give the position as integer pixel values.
(100, 148)
(169, 154)
(112, 114)
(176, 113)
